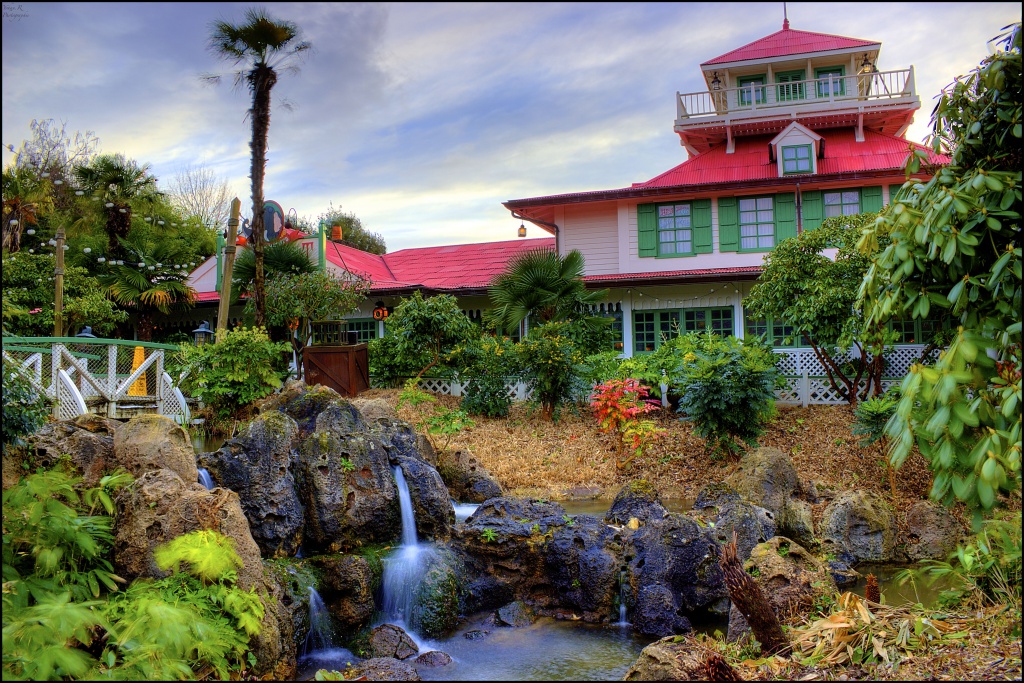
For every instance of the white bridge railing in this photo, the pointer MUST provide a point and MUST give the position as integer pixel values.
(115, 377)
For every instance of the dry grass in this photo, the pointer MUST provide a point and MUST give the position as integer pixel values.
(532, 457)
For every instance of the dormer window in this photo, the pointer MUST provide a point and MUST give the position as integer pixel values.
(796, 150)
(797, 159)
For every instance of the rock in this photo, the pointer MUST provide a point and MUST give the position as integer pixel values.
(160, 507)
(435, 606)
(673, 565)
(346, 587)
(752, 524)
(388, 640)
(767, 478)
(374, 408)
(637, 499)
(301, 403)
(433, 659)
(583, 567)
(88, 440)
(345, 483)
(274, 646)
(669, 659)
(715, 496)
(294, 578)
(154, 442)
(257, 466)
(385, 669)
(514, 614)
(432, 506)
(401, 440)
(502, 547)
(860, 523)
(657, 612)
(791, 578)
(476, 634)
(932, 533)
(466, 478)
(842, 573)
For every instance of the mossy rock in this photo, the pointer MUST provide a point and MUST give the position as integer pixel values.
(436, 610)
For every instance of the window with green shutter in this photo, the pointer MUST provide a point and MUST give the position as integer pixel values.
(790, 86)
(652, 328)
(773, 332)
(796, 159)
(676, 229)
(748, 92)
(812, 209)
(365, 327)
(848, 202)
(718, 320)
(830, 81)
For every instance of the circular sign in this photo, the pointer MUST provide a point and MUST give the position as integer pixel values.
(273, 223)
(380, 313)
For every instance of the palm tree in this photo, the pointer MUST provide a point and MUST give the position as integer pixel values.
(117, 182)
(264, 46)
(279, 258)
(545, 286)
(25, 197)
(149, 280)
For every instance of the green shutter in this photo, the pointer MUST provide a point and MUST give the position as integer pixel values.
(646, 230)
(813, 209)
(785, 216)
(871, 199)
(701, 210)
(893, 190)
(728, 224)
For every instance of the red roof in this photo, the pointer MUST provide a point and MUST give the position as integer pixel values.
(750, 161)
(790, 42)
(445, 268)
(702, 274)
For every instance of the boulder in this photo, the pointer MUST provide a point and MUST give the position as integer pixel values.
(860, 523)
(767, 478)
(514, 614)
(384, 669)
(791, 578)
(673, 572)
(435, 609)
(932, 533)
(373, 409)
(467, 480)
(502, 547)
(344, 482)
(669, 659)
(716, 495)
(302, 403)
(88, 440)
(432, 506)
(154, 442)
(401, 440)
(274, 646)
(843, 574)
(584, 567)
(293, 578)
(346, 587)
(433, 659)
(160, 507)
(752, 524)
(388, 640)
(257, 466)
(637, 499)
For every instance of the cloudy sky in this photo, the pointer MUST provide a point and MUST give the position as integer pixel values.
(422, 118)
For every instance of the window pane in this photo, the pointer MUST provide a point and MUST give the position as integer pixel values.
(665, 223)
(682, 209)
(831, 211)
(683, 222)
(664, 210)
(832, 197)
(764, 202)
(668, 247)
(851, 197)
(789, 167)
(748, 204)
(748, 216)
(682, 235)
(749, 243)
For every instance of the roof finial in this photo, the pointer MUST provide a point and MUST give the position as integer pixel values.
(785, 18)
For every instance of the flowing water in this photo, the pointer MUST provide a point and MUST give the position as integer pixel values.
(404, 568)
(205, 479)
(623, 587)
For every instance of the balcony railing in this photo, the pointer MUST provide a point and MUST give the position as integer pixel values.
(881, 85)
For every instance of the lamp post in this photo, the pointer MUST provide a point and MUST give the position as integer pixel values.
(203, 333)
(58, 278)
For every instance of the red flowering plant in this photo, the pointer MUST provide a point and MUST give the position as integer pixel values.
(618, 405)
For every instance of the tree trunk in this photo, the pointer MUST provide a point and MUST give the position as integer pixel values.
(752, 603)
(118, 225)
(261, 81)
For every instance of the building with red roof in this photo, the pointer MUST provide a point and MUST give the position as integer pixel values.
(793, 128)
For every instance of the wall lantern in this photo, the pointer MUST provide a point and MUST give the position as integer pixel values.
(380, 311)
(716, 82)
(866, 66)
(203, 333)
(522, 230)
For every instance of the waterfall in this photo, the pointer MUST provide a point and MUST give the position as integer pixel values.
(319, 636)
(404, 569)
(623, 587)
(205, 479)
(464, 510)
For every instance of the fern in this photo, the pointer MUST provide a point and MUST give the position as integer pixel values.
(209, 554)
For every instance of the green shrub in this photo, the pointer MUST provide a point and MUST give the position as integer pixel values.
(242, 366)
(490, 364)
(872, 416)
(24, 409)
(552, 354)
(728, 389)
